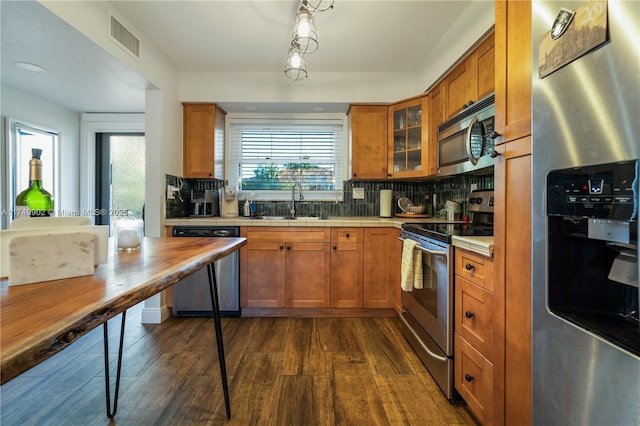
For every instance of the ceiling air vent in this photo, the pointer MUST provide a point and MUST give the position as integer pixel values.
(124, 38)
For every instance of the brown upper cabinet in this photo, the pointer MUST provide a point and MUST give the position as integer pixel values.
(409, 148)
(203, 141)
(472, 79)
(368, 141)
(436, 118)
(513, 71)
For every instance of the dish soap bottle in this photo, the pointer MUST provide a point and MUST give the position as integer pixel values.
(35, 200)
(246, 208)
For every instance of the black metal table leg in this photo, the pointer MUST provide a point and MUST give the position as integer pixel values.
(111, 414)
(213, 291)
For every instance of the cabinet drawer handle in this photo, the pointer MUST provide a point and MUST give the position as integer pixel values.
(468, 377)
(468, 314)
(468, 266)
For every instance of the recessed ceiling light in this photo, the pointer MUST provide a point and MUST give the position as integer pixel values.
(27, 66)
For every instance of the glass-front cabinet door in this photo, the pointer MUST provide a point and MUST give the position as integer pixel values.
(408, 138)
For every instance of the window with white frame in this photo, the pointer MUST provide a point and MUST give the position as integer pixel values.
(24, 137)
(266, 158)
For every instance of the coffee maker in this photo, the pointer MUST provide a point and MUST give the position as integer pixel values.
(205, 203)
(228, 201)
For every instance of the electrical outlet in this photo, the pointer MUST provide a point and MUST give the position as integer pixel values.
(171, 192)
(474, 186)
(358, 193)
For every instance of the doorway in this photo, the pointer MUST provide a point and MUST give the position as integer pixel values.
(120, 176)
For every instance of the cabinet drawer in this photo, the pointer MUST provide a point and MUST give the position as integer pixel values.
(475, 268)
(474, 316)
(346, 235)
(474, 380)
(280, 234)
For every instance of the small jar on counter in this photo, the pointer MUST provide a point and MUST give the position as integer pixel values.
(129, 233)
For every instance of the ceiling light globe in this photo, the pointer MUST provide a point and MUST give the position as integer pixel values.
(305, 37)
(296, 68)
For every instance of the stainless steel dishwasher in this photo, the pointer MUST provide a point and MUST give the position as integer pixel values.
(191, 295)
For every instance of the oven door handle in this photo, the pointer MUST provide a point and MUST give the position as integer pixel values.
(424, 347)
(434, 252)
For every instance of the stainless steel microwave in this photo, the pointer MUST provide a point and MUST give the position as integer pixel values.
(466, 141)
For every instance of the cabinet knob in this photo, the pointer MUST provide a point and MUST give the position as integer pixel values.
(210, 174)
(288, 247)
(494, 134)
(335, 247)
(468, 266)
(355, 175)
(347, 235)
(468, 377)
(281, 247)
(468, 314)
(388, 174)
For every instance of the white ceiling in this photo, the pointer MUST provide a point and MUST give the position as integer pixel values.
(214, 35)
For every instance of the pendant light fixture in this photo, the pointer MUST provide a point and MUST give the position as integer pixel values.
(305, 38)
(317, 5)
(305, 35)
(296, 68)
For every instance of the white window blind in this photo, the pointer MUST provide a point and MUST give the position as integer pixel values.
(268, 159)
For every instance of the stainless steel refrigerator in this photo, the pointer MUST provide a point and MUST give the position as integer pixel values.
(585, 154)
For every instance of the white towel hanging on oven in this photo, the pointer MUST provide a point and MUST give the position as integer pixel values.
(411, 269)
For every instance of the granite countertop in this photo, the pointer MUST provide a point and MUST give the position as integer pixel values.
(480, 245)
(361, 221)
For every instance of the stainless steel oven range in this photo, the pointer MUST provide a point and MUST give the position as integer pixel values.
(427, 313)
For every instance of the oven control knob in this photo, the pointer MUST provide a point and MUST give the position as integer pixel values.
(468, 314)
(468, 377)
(468, 266)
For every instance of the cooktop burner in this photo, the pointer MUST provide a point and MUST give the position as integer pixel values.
(444, 231)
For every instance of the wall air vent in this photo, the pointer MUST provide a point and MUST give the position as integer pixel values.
(123, 37)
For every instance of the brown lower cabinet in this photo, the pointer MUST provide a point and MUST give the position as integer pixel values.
(346, 267)
(382, 253)
(340, 267)
(285, 267)
(474, 345)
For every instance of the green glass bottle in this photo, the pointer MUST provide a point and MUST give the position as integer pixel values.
(35, 200)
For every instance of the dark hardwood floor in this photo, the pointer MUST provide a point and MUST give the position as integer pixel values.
(282, 371)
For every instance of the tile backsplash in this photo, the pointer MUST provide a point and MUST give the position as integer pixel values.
(455, 188)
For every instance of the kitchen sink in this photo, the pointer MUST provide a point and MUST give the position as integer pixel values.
(290, 218)
(272, 217)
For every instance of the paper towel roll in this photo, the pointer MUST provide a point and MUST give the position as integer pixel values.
(385, 202)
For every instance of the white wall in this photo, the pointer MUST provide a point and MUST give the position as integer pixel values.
(31, 110)
(163, 111)
(477, 19)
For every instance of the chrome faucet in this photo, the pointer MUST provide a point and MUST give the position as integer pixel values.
(293, 198)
